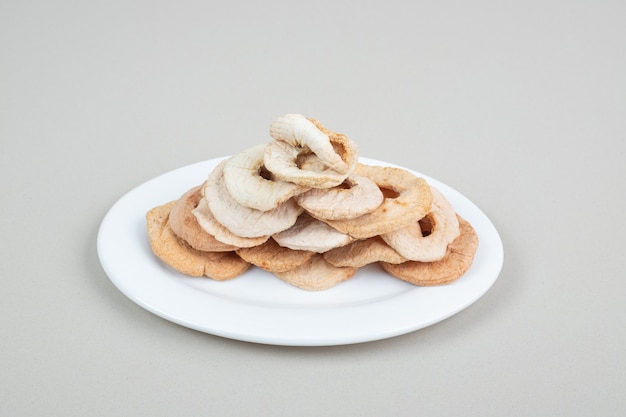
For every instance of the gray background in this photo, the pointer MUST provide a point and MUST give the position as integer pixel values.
(518, 105)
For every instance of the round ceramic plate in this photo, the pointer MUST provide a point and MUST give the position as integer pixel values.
(257, 306)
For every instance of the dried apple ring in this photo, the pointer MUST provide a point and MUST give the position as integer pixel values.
(207, 222)
(302, 133)
(185, 259)
(410, 242)
(285, 163)
(316, 274)
(272, 257)
(296, 139)
(185, 225)
(363, 252)
(252, 185)
(407, 197)
(457, 261)
(245, 221)
(355, 196)
(311, 234)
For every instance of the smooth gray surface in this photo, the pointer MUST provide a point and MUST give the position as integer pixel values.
(519, 105)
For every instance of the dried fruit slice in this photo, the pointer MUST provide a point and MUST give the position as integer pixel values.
(316, 274)
(297, 139)
(185, 225)
(363, 252)
(301, 133)
(207, 222)
(244, 221)
(407, 197)
(185, 259)
(410, 242)
(251, 185)
(272, 257)
(457, 261)
(311, 234)
(356, 196)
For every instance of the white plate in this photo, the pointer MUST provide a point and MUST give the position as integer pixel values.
(257, 306)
